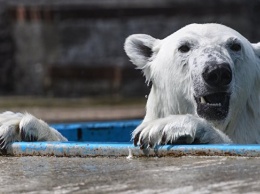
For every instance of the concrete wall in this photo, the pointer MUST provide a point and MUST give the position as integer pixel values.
(7, 61)
(92, 33)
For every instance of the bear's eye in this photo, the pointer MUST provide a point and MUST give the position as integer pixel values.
(235, 47)
(184, 48)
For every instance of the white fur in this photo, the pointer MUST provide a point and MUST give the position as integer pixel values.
(171, 108)
(30, 125)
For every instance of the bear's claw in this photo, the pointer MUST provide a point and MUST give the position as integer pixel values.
(2, 143)
(136, 138)
(26, 136)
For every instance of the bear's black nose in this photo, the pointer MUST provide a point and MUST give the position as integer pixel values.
(217, 75)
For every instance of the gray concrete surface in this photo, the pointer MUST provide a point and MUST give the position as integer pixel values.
(120, 175)
(76, 109)
(83, 114)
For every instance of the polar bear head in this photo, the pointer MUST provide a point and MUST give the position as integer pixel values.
(205, 69)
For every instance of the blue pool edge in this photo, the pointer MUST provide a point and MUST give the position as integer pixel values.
(92, 149)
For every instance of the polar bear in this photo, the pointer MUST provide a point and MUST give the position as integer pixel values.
(205, 89)
(205, 86)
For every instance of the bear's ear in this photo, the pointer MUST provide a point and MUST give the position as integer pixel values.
(139, 48)
(256, 47)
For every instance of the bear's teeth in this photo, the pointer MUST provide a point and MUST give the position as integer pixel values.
(202, 100)
(216, 104)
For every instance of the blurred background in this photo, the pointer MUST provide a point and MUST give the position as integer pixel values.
(63, 60)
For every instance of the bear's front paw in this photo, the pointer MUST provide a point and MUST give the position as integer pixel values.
(177, 129)
(34, 129)
(25, 127)
(161, 132)
(9, 128)
(160, 136)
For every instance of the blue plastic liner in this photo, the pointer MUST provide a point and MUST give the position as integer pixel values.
(116, 131)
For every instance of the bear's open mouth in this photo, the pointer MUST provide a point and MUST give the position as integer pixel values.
(213, 106)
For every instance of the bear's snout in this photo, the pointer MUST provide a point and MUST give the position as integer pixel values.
(217, 76)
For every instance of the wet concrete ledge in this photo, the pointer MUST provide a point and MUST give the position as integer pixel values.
(99, 149)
